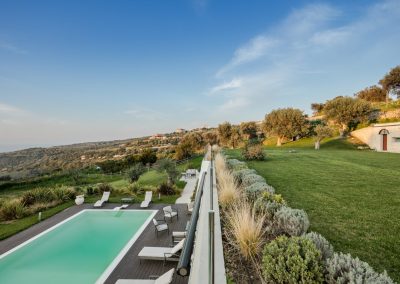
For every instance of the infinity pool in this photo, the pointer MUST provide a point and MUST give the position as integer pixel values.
(82, 249)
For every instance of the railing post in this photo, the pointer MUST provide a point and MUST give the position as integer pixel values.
(211, 247)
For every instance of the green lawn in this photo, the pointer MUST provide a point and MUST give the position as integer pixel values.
(352, 197)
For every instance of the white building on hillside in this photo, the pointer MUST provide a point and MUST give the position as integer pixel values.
(383, 137)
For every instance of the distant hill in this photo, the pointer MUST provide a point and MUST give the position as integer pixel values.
(37, 161)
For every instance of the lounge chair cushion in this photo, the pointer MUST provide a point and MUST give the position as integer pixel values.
(166, 278)
(178, 247)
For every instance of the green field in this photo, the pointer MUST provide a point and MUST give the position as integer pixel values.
(352, 197)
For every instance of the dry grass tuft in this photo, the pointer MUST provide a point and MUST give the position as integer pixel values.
(246, 232)
(246, 229)
(228, 190)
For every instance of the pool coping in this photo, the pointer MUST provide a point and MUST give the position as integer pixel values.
(107, 272)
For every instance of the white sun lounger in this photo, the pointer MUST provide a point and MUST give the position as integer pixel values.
(104, 198)
(147, 199)
(121, 207)
(162, 253)
(166, 278)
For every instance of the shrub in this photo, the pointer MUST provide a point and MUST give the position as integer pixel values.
(251, 178)
(269, 203)
(322, 244)
(90, 190)
(342, 268)
(234, 164)
(12, 209)
(102, 187)
(239, 174)
(292, 260)
(256, 189)
(64, 193)
(289, 221)
(253, 152)
(38, 195)
(166, 189)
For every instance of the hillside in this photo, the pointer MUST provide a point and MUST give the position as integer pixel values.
(37, 161)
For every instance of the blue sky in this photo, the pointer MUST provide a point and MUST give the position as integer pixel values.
(74, 71)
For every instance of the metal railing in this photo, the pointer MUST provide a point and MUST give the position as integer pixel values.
(184, 261)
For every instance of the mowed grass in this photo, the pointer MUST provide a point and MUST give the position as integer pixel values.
(352, 197)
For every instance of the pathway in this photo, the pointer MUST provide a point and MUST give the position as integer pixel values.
(188, 190)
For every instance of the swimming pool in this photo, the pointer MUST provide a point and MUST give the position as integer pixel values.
(84, 248)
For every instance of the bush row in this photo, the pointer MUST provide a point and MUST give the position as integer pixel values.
(35, 200)
(292, 254)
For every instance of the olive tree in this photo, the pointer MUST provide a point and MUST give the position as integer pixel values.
(346, 110)
(391, 82)
(135, 172)
(169, 167)
(248, 130)
(285, 123)
(321, 132)
(224, 133)
(372, 94)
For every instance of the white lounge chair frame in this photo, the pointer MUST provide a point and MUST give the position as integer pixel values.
(147, 199)
(166, 278)
(161, 253)
(104, 198)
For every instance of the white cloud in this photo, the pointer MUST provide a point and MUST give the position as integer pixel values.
(315, 44)
(233, 84)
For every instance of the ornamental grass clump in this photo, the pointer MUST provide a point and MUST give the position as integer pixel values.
(245, 231)
(228, 191)
(220, 163)
(343, 268)
(256, 190)
(64, 193)
(322, 244)
(292, 260)
(12, 209)
(37, 195)
(251, 178)
(289, 221)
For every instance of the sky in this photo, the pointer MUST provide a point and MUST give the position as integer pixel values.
(78, 71)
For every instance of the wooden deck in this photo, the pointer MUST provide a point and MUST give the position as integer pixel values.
(129, 267)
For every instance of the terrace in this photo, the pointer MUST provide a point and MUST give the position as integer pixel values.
(199, 253)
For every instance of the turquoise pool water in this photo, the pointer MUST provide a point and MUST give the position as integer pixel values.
(77, 251)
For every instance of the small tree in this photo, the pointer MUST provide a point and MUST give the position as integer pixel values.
(346, 110)
(372, 94)
(195, 140)
(285, 123)
(248, 130)
(317, 108)
(321, 132)
(391, 82)
(224, 133)
(210, 137)
(169, 167)
(135, 172)
(148, 156)
(183, 150)
(235, 137)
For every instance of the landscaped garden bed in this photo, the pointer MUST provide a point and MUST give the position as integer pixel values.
(267, 241)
